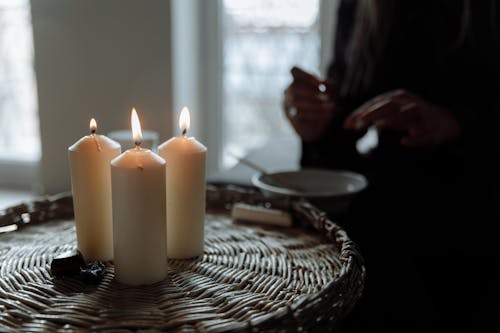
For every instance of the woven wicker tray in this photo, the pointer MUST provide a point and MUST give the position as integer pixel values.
(250, 278)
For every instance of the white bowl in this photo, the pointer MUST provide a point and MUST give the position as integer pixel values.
(331, 190)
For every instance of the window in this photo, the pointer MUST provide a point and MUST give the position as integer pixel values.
(262, 40)
(19, 131)
(231, 63)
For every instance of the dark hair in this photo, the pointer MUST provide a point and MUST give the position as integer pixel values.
(372, 23)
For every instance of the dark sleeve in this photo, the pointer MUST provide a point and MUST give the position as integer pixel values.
(477, 70)
(477, 109)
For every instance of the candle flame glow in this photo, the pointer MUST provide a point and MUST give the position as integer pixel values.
(93, 125)
(136, 127)
(184, 120)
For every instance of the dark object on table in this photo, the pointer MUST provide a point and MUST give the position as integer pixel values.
(67, 264)
(47, 208)
(93, 272)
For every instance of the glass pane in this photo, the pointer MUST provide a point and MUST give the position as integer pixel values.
(19, 131)
(263, 39)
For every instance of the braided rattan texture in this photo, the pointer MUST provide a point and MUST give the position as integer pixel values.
(250, 278)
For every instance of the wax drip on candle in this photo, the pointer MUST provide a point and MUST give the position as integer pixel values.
(93, 128)
(184, 121)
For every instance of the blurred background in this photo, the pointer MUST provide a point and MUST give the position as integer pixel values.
(64, 62)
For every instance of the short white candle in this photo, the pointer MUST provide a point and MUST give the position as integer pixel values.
(89, 159)
(185, 158)
(138, 183)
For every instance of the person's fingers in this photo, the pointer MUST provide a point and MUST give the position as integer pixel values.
(325, 88)
(381, 106)
(367, 114)
(403, 120)
(310, 111)
(310, 86)
(403, 95)
(301, 91)
(378, 111)
(304, 114)
(328, 87)
(303, 76)
(309, 130)
(316, 118)
(287, 98)
(400, 96)
(313, 106)
(397, 95)
(308, 134)
(392, 94)
(424, 124)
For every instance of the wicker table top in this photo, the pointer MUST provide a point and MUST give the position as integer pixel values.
(250, 277)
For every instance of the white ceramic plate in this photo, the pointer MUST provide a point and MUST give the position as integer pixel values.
(311, 183)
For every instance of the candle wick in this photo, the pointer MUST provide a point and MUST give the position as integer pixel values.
(138, 145)
(184, 131)
(92, 131)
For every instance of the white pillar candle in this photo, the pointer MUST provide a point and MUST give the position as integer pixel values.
(138, 183)
(89, 159)
(185, 158)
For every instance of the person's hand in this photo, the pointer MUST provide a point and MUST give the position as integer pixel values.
(422, 124)
(309, 105)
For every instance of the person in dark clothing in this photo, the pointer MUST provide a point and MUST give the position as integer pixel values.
(422, 77)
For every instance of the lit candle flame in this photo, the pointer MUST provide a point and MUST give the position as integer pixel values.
(93, 126)
(184, 120)
(136, 128)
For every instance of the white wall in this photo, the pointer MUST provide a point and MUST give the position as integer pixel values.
(98, 58)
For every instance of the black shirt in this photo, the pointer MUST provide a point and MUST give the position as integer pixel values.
(446, 195)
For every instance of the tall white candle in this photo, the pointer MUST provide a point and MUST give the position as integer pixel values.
(138, 183)
(185, 158)
(89, 159)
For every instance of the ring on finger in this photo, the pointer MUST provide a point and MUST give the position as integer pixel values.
(292, 112)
